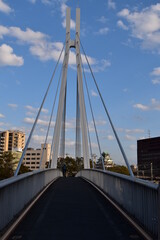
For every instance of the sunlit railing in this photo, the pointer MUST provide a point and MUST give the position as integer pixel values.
(17, 192)
(138, 197)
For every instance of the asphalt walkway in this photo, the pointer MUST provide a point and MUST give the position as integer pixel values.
(72, 209)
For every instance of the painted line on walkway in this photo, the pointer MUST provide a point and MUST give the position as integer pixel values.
(130, 220)
(19, 219)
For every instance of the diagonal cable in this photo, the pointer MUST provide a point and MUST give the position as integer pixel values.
(53, 107)
(51, 154)
(34, 125)
(100, 152)
(50, 119)
(113, 128)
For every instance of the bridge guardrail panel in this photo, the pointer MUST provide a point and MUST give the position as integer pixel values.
(17, 192)
(138, 197)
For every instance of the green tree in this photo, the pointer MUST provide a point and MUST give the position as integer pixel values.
(23, 169)
(119, 169)
(6, 165)
(72, 165)
(80, 164)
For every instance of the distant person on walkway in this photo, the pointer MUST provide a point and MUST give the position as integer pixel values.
(64, 169)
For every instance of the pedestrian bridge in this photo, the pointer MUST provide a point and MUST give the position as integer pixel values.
(93, 205)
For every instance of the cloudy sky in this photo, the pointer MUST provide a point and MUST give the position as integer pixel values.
(122, 42)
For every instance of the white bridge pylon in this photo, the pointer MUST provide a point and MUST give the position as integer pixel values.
(60, 119)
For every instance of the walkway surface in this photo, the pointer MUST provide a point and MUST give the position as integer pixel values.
(71, 209)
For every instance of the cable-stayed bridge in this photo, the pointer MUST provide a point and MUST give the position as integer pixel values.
(96, 204)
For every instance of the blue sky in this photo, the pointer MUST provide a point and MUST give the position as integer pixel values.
(122, 42)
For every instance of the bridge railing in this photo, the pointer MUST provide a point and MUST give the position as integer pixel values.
(17, 192)
(137, 197)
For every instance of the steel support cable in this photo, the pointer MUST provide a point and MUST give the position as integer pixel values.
(100, 152)
(105, 108)
(54, 105)
(51, 154)
(63, 127)
(50, 119)
(35, 122)
(90, 146)
(89, 141)
(78, 134)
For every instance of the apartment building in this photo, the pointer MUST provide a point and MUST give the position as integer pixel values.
(33, 157)
(11, 140)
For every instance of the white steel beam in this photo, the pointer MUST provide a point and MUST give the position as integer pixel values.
(83, 118)
(57, 129)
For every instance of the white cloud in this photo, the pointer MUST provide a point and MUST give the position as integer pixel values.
(122, 25)
(92, 61)
(8, 58)
(40, 122)
(63, 15)
(1, 115)
(145, 25)
(12, 105)
(30, 108)
(28, 36)
(4, 7)
(134, 130)
(35, 110)
(101, 65)
(72, 24)
(154, 105)
(29, 120)
(100, 122)
(102, 31)
(111, 4)
(156, 74)
(69, 143)
(63, 10)
(94, 145)
(156, 71)
(124, 13)
(46, 2)
(70, 125)
(141, 106)
(30, 113)
(44, 110)
(110, 137)
(40, 47)
(94, 94)
(3, 31)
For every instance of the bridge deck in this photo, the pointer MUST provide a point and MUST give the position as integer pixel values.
(72, 209)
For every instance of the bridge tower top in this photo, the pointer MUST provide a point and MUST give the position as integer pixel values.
(81, 121)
